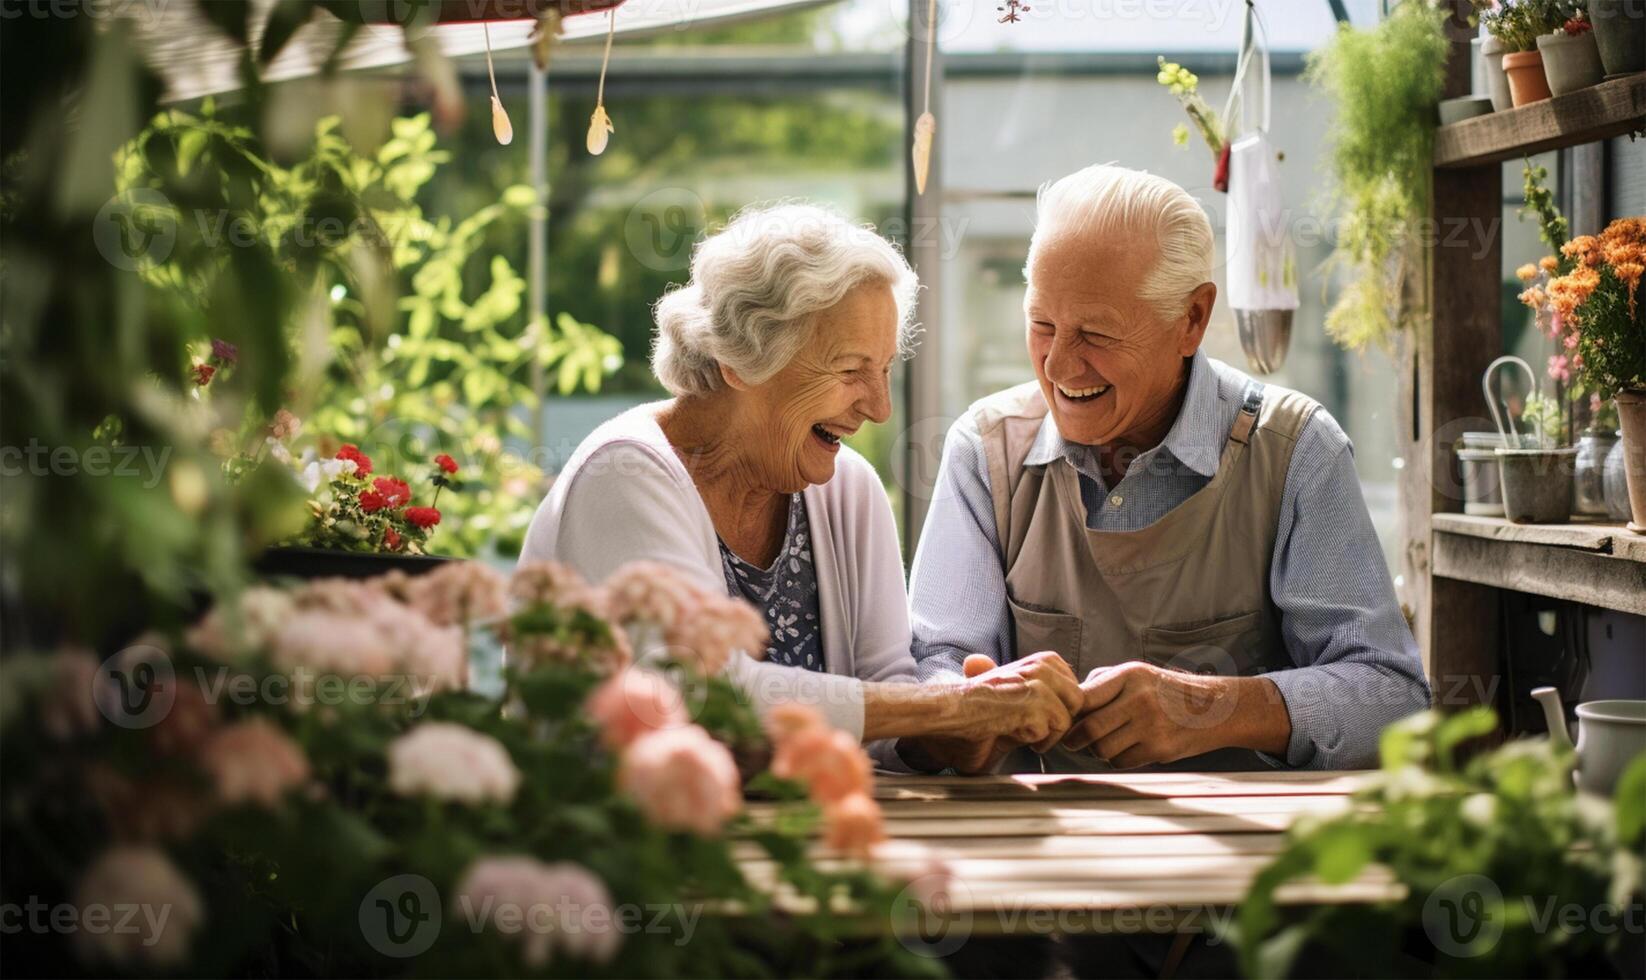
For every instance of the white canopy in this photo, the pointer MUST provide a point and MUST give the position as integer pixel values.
(197, 60)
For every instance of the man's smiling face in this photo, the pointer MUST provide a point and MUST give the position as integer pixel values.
(1110, 367)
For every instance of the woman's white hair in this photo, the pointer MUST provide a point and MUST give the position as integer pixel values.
(756, 288)
(1107, 201)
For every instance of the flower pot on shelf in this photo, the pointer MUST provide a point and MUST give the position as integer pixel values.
(1620, 35)
(1589, 487)
(1497, 83)
(1570, 61)
(307, 563)
(1537, 484)
(1631, 410)
(1527, 83)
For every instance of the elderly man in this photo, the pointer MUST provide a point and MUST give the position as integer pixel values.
(1192, 542)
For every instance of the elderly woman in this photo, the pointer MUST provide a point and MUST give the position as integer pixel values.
(782, 345)
(1193, 541)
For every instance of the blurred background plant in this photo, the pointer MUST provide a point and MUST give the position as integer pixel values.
(413, 339)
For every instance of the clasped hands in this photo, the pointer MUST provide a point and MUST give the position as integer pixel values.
(1131, 714)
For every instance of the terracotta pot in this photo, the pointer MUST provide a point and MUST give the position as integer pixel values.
(1570, 61)
(1497, 83)
(1620, 35)
(1631, 410)
(1527, 83)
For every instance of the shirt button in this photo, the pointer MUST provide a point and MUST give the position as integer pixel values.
(1116, 500)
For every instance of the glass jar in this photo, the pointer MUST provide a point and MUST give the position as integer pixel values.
(1617, 484)
(1589, 479)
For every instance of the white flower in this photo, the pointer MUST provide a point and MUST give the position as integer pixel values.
(310, 477)
(278, 450)
(143, 878)
(451, 762)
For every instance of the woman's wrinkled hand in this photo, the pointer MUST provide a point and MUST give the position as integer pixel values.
(1031, 701)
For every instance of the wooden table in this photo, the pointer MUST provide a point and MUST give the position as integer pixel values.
(1139, 852)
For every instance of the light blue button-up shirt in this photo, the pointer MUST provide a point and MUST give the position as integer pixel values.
(1357, 666)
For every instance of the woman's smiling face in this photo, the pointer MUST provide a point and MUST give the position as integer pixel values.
(1110, 367)
(838, 380)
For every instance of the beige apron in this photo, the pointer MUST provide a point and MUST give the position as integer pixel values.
(1189, 592)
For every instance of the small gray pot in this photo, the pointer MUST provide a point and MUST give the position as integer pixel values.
(1537, 484)
(1570, 61)
(1589, 489)
(1497, 81)
(1620, 34)
(1615, 480)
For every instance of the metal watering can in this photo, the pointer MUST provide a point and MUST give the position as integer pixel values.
(1611, 734)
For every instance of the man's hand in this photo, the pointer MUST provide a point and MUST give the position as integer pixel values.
(1137, 713)
(1030, 701)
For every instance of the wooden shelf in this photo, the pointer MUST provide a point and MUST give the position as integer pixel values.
(1599, 112)
(1599, 564)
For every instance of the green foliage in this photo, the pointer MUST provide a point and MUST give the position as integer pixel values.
(414, 338)
(1552, 226)
(1435, 821)
(1384, 83)
(1544, 418)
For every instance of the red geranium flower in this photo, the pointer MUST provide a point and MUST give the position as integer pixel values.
(202, 374)
(446, 463)
(391, 538)
(362, 462)
(372, 502)
(395, 492)
(423, 517)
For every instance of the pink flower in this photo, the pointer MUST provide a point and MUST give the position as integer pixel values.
(187, 724)
(1560, 367)
(853, 825)
(632, 703)
(449, 761)
(929, 876)
(548, 908)
(224, 351)
(460, 592)
(700, 628)
(68, 706)
(254, 761)
(228, 632)
(547, 583)
(682, 779)
(285, 426)
(830, 762)
(143, 878)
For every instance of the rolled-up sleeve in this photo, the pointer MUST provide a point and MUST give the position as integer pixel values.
(957, 588)
(1358, 667)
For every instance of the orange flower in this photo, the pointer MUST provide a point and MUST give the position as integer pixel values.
(1581, 248)
(1526, 272)
(1548, 263)
(853, 825)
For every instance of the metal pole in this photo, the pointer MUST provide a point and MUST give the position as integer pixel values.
(923, 427)
(537, 254)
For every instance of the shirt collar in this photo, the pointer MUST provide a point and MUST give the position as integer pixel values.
(1195, 438)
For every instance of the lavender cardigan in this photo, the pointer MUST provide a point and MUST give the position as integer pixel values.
(625, 496)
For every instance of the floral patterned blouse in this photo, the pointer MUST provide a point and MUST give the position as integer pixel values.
(785, 593)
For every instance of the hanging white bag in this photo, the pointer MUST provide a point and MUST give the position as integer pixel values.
(1260, 261)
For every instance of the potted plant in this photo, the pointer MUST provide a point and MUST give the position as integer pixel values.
(1603, 323)
(1537, 473)
(1497, 81)
(1516, 25)
(1571, 60)
(1620, 35)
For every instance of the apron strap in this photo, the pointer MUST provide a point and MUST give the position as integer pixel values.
(1246, 421)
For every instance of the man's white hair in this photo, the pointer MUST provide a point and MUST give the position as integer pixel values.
(1106, 201)
(756, 288)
